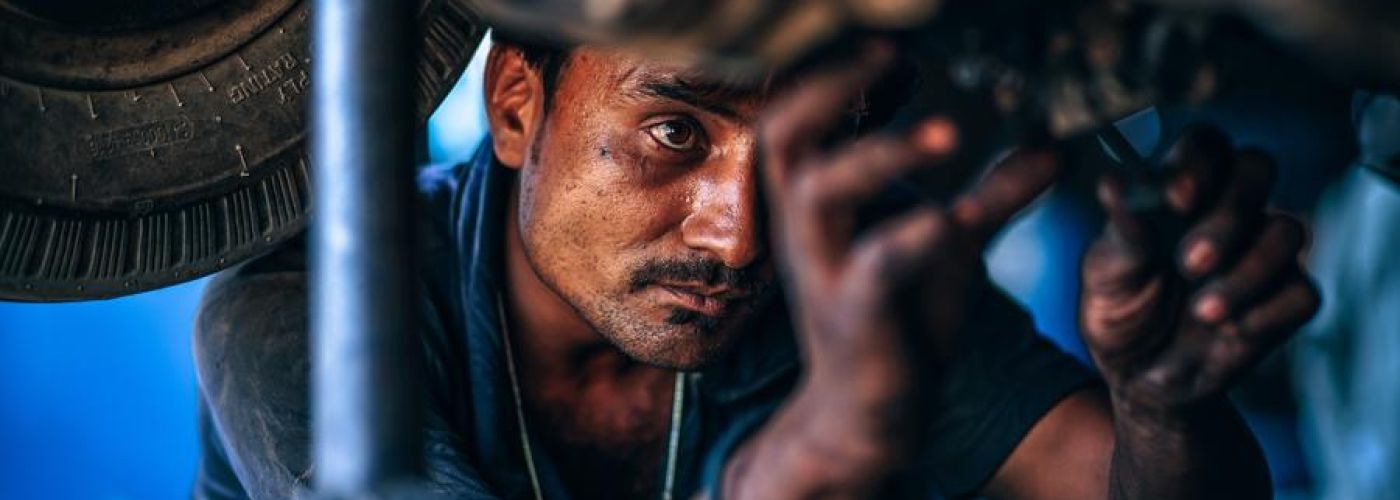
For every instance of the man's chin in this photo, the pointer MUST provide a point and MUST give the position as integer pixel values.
(685, 342)
(682, 360)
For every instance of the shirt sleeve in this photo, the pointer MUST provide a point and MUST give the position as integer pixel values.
(215, 479)
(1004, 379)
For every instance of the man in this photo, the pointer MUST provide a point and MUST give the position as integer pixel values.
(620, 302)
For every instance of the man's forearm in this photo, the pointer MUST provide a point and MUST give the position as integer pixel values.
(1206, 452)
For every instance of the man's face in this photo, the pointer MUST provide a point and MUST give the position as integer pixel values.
(638, 206)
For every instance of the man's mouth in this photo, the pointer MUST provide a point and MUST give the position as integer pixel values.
(707, 300)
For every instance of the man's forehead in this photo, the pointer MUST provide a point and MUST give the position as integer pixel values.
(711, 79)
(637, 76)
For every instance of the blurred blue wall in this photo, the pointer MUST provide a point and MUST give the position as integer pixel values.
(97, 399)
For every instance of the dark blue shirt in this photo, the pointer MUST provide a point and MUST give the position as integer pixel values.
(1004, 378)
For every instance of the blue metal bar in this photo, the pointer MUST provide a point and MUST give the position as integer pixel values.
(365, 408)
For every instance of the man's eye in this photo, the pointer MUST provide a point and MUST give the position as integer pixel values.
(679, 135)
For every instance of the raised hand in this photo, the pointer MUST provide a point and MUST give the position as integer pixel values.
(1170, 327)
(877, 307)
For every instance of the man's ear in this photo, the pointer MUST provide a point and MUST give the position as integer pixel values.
(514, 102)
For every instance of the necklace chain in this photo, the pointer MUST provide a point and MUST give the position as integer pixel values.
(672, 441)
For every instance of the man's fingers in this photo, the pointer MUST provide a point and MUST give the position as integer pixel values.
(866, 167)
(1006, 189)
(1208, 246)
(821, 206)
(790, 133)
(898, 248)
(1126, 233)
(796, 124)
(1273, 253)
(1238, 346)
(903, 252)
(1285, 311)
(1201, 161)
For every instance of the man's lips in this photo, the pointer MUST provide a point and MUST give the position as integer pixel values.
(710, 301)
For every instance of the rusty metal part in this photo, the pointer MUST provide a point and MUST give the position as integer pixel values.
(147, 142)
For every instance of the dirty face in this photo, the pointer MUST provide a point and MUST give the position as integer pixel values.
(639, 203)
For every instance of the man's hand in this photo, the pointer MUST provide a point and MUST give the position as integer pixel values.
(1172, 325)
(875, 308)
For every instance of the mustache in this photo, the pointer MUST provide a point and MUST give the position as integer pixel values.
(705, 271)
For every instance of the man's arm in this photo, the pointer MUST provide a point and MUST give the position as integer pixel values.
(879, 311)
(1070, 452)
(252, 355)
(1065, 455)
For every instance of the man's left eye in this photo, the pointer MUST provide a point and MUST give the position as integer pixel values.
(680, 135)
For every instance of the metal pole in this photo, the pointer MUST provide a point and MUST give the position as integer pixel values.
(365, 408)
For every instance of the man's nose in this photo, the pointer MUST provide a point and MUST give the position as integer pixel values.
(724, 219)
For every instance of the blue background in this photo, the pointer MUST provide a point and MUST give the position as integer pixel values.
(98, 397)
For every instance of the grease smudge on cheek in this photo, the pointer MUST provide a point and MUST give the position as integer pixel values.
(633, 168)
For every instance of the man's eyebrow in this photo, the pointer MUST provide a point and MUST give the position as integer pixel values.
(712, 97)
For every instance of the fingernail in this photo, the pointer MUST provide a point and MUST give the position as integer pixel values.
(1210, 309)
(1200, 256)
(1182, 194)
(1105, 193)
(936, 136)
(968, 212)
(879, 50)
(1229, 329)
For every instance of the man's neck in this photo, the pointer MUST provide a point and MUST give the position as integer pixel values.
(554, 341)
(602, 415)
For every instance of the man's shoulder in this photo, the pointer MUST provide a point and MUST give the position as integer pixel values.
(259, 308)
(251, 315)
(259, 298)
(442, 186)
(252, 357)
